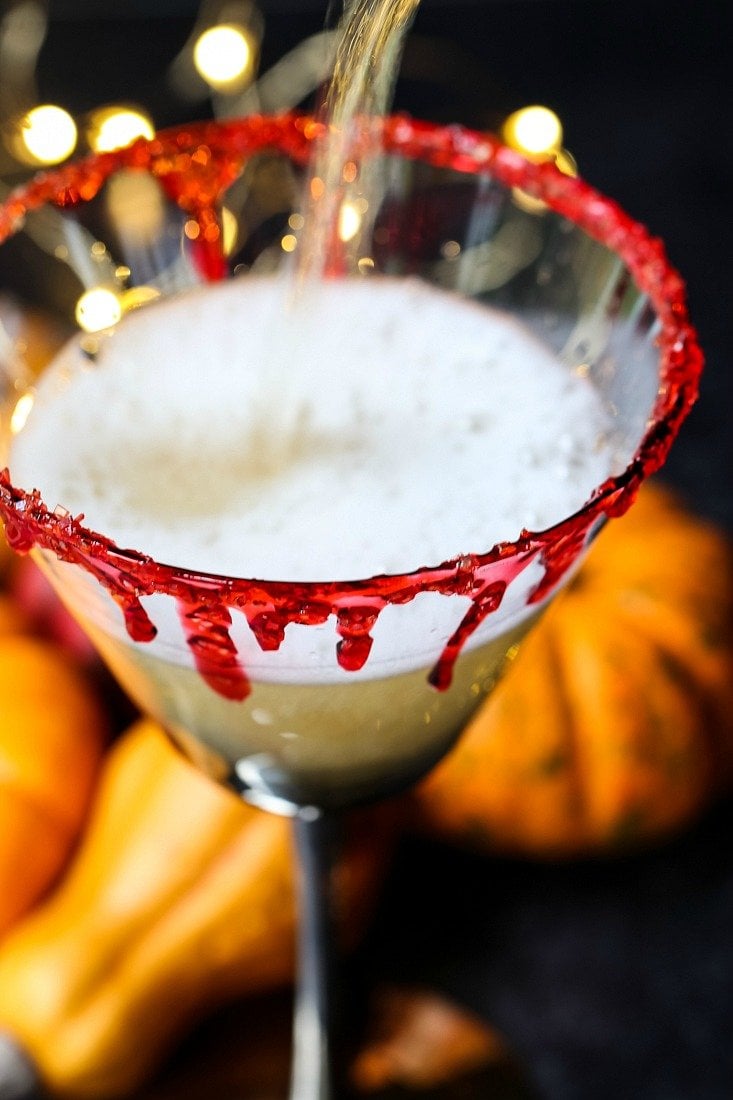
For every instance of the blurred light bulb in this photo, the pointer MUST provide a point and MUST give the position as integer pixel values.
(97, 309)
(223, 54)
(21, 412)
(536, 131)
(566, 163)
(349, 221)
(115, 127)
(230, 230)
(138, 296)
(47, 135)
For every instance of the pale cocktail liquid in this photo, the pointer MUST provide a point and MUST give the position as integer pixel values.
(369, 426)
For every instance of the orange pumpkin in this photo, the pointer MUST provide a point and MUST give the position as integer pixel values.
(52, 734)
(614, 723)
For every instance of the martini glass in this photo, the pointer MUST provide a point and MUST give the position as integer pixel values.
(377, 691)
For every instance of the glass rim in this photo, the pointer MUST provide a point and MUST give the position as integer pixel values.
(29, 522)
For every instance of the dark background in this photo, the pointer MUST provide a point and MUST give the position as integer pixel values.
(610, 979)
(643, 88)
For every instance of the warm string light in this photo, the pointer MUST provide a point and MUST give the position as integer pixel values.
(46, 134)
(224, 56)
(102, 307)
(350, 219)
(21, 412)
(537, 133)
(230, 230)
(98, 308)
(114, 127)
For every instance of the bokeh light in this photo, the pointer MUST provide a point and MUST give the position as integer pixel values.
(21, 412)
(115, 127)
(46, 134)
(97, 309)
(223, 55)
(349, 221)
(138, 296)
(230, 230)
(537, 133)
(534, 131)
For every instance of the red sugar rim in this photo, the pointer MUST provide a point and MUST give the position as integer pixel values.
(195, 164)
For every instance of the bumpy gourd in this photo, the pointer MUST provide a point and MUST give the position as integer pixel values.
(615, 722)
(180, 898)
(52, 734)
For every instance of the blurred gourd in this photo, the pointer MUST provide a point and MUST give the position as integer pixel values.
(46, 615)
(13, 619)
(180, 898)
(421, 1041)
(52, 735)
(614, 724)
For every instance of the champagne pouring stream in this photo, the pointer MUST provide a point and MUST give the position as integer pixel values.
(477, 381)
(368, 51)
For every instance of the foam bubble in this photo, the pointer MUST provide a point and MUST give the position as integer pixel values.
(370, 426)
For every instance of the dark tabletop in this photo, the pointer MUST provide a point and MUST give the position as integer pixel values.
(611, 979)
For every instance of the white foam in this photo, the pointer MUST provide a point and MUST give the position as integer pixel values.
(372, 426)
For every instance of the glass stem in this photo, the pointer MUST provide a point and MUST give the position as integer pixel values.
(313, 1025)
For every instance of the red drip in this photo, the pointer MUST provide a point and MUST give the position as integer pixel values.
(489, 582)
(352, 651)
(194, 167)
(268, 628)
(354, 625)
(558, 556)
(207, 632)
(209, 259)
(137, 620)
(483, 604)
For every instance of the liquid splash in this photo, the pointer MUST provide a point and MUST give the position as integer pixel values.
(345, 183)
